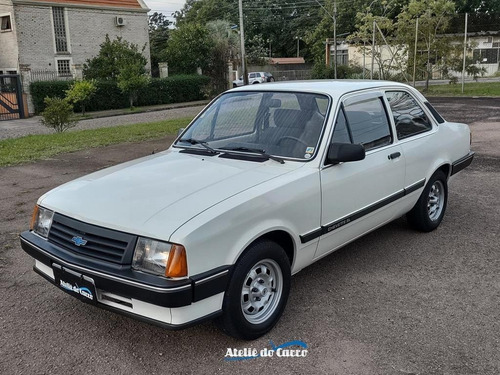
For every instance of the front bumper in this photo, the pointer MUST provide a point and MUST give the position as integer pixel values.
(119, 287)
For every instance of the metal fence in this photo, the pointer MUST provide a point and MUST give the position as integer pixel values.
(49, 75)
(11, 98)
(292, 75)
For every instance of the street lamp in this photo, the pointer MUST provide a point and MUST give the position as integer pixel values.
(298, 46)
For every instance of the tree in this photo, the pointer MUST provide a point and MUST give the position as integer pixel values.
(58, 114)
(131, 79)
(395, 56)
(224, 48)
(81, 92)
(112, 57)
(159, 33)
(189, 48)
(433, 19)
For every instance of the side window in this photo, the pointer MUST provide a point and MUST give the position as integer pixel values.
(367, 120)
(341, 134)
(409, 117)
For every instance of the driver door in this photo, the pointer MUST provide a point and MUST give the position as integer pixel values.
(359, 196)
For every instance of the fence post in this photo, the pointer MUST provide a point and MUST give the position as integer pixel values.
(25, 71)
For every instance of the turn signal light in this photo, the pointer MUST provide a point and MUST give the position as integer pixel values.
(34, 217)
(177, 262)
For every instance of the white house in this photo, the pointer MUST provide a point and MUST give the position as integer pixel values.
(60, 35)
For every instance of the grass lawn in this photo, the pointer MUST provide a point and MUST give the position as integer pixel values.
(35, 147)
(470, 89)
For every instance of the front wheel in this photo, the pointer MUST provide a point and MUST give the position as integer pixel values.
(257, 292)
(429, 210)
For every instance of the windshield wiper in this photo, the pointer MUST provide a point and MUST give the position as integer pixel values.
(254, 151)
(198, 142)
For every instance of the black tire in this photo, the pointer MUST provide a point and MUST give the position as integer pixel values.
(422, 216)
(271, 79)
(271, 260)
(234, 85)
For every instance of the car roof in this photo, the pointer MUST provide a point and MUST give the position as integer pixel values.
(334, 88)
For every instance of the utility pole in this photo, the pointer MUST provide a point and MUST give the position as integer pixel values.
(373, 50)
(335, 37)
(334, 18)
(465, 51)
(242, 36)
(415, 53)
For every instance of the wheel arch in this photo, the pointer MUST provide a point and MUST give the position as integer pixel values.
(279, 236)
(446, 169)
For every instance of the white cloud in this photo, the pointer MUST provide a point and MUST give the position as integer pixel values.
(165, 7)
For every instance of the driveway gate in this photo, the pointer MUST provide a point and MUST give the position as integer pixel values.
(11, 97)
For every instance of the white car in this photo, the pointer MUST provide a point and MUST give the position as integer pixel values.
(253, 78)
(265, 181)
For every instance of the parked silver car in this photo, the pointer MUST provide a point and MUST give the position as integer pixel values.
(254, 77)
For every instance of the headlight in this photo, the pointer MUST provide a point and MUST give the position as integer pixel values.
(160, 258)
(41, 221)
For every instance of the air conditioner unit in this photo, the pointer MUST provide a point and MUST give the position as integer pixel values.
(120, 21)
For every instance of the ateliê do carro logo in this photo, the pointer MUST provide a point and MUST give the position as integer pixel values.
(290, 349)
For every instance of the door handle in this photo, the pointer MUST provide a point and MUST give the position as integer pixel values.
(394, 155)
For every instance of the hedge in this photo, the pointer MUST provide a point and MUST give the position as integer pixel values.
(175, 89)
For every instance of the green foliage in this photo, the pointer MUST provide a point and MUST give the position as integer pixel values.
(53, 89)
(174, 89)
(34, 147)
(81, 92)
(189, 48)
(112, 57)
(224, 47)
(159, 33)
(470, 89)
(131, 80)
(58, 114)
(321, 71)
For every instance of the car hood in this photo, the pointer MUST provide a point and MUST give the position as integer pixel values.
(155, 195)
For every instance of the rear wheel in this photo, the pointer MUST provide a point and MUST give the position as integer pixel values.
(257, 292)
(429, 210)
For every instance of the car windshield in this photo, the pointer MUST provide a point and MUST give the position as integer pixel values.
(283, 124)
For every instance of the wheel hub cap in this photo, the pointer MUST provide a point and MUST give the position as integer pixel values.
(261, 291)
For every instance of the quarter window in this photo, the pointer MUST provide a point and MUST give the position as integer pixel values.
(368, 123)
(341, 133)
(409, 117)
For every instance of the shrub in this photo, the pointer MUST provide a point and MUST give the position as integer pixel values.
(58, 114)
(174, 89)
(52, 89)
(81, 92)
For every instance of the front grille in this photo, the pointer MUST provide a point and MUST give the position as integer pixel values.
(101, 243)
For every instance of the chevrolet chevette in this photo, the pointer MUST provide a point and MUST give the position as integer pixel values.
(266, 180)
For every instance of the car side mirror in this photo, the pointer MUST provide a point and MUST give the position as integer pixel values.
(344, 152)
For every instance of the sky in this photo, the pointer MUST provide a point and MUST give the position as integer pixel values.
(167, 7)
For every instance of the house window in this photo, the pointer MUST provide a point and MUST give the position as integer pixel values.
(486, 56)
(5, 24)
(60, 29)
(63, 68)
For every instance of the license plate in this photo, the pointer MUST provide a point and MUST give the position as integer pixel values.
(74, 283)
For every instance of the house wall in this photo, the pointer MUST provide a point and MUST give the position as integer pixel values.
(86, 29)
(8, 41)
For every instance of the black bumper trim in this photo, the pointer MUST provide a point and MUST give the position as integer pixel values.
(177, 294)
(462, 163)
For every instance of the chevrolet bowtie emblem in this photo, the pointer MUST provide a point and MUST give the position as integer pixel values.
(79, 241)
